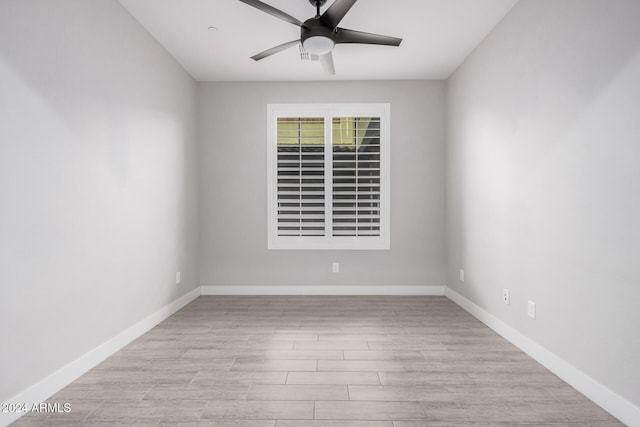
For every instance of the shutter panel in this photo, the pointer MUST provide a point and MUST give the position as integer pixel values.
(300, 175)
(356, 176)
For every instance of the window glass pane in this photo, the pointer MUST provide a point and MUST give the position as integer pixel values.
(300, 131)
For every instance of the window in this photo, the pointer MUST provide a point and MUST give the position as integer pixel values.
(328, 176)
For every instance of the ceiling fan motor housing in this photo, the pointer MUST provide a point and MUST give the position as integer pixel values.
(314, 28)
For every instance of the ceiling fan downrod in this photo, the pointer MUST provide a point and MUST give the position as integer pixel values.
(318, 4)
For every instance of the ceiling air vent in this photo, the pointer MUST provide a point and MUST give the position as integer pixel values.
(306, 56)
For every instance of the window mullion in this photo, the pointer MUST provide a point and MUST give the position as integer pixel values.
(355, 173)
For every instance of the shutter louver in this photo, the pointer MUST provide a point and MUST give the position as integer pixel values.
(356, 176)
(300, 175)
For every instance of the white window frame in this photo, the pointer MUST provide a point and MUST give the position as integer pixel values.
(328, 242)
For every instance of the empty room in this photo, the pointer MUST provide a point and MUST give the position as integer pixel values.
(329, 213)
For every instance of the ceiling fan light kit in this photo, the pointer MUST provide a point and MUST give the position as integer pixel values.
(320, 34)
(318, 45)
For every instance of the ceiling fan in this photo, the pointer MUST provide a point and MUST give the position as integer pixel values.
(319, 35)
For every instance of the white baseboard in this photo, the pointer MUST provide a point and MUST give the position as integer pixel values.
(612, 402)
(50, 385)
(324, 290)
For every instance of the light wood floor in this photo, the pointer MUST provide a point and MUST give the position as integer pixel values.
(324, 362)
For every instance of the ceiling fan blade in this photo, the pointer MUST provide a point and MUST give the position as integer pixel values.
(332, 16)
(273, 50)
(344, 35)
(327, 63)
(272, 11)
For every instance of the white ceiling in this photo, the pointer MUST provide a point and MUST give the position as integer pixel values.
(438, 35)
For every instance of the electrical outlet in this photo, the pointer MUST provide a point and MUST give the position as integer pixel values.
(531, 309)
(177, 277)
(335, 267)
(461, 275)
(505, 296)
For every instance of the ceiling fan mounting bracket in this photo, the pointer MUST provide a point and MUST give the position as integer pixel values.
(314, 2)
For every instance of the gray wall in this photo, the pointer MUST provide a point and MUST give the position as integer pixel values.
(543, 183)
(233, 167)
(97, 182)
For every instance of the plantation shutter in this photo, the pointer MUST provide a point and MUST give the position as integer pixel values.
(356, 176)
(328, 181)
(300, 176)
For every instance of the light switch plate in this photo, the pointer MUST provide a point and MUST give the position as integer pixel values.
(531, 309)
